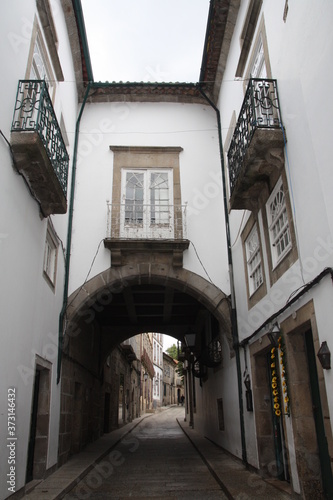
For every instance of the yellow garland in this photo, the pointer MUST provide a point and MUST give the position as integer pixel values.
(284, 375)
(279, 355)
(274, 384)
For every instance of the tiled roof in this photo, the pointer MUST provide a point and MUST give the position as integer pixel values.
(220, 26)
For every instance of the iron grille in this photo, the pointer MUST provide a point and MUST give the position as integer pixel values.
(34, 113)
(212, 354)
(260, 109)
(146, 221)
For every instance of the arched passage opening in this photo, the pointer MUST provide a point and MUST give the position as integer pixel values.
(114, 306)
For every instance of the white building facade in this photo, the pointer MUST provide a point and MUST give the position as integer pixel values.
(158, 368)
(35, 51)
(202, 211)
(275, 142)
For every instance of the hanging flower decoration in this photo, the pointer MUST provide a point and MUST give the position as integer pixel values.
(280, 401)
(284, 379)
(274, 383)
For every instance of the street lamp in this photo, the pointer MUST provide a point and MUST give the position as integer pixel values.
(273, 335)
(324, 355)
(189, 339)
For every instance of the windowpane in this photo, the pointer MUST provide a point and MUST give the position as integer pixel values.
(134, 198)
(50, 257)
(253, 257)
(278, 224)
(159, 197)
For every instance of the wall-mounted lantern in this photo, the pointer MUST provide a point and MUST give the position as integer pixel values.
(273, 335)
(248, 393)
(324, 356)
(189, 339)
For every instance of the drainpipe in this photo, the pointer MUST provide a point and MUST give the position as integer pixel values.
(234, 327)
(69, 235)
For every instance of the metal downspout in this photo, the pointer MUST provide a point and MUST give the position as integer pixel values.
(234, 327)
(69, 234)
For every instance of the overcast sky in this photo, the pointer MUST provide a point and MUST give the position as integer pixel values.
(146, 40)
(168, 342)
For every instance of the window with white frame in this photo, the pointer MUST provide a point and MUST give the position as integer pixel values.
(50, 256)
(146, 202)
(278, 224)
(40, 68)
(253, 259)
(258, 68)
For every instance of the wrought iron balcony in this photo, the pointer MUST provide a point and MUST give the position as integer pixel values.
(133, 228)
(210, 356)
(38, 147)
(139, 221)
(256, 150)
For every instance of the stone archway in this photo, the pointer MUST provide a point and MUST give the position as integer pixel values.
(96, 324)
(86, 302)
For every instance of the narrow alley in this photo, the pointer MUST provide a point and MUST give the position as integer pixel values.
(157, 459)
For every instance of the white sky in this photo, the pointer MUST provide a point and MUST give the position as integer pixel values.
(168, 342)
(146, 40)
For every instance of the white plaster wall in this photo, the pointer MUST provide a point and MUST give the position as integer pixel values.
(300, 51)
(194, 128)
(30, 310)
(221, 383)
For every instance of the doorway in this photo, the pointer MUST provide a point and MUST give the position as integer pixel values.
(272, 447)
(308, 400)
(308, 404)
(39, 424)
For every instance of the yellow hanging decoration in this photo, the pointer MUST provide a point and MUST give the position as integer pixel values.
(274, 385)
(282, 350)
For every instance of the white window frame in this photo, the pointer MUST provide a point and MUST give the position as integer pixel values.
(258, 68)
(148, 226)
(278, 224)
(253, 260)
(50, 257)
(40, 67)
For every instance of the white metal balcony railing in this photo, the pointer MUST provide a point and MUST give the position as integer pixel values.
(129, 221)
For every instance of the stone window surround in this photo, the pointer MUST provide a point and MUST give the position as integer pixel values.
(47, 22)
(261, 291)
(290, 258)
(286, 262)
(145, 157)
(261, 32)
(52, 237)
(36, 32)
(247, 34)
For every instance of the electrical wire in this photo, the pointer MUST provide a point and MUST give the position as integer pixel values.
(296, 296)
(239, 230)
(87, 277)
(203, 267)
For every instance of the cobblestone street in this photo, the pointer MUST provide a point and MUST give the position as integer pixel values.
(157, 460)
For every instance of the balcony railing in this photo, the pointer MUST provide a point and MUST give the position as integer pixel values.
(34, 113)
(260, 110)
(158, 222)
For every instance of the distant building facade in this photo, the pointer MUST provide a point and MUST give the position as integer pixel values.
(158, 369)
(169, 380)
